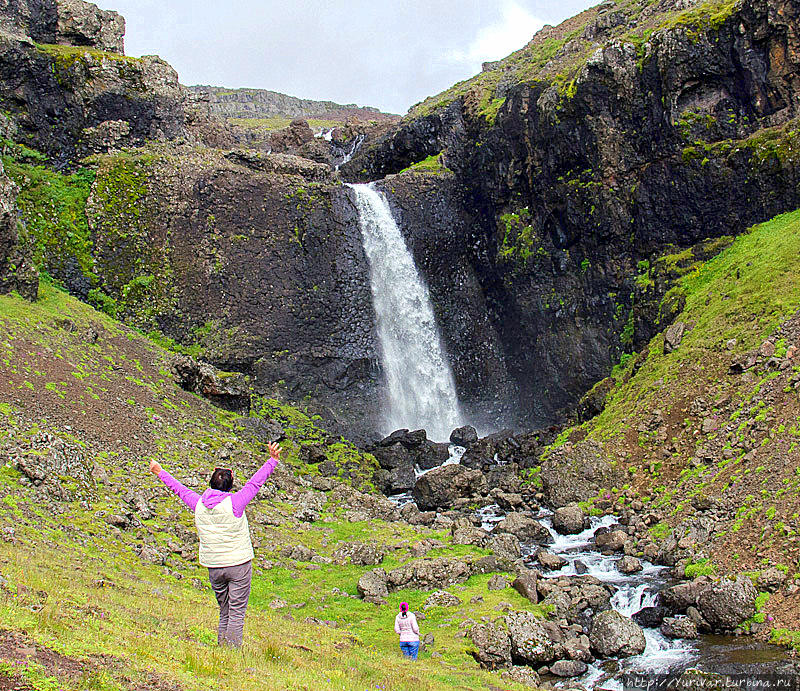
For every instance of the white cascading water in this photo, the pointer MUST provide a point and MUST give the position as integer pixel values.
(421, 389)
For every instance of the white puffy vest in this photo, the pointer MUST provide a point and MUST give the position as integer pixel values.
(224, 538)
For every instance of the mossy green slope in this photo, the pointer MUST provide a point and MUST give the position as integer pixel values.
(78, 381)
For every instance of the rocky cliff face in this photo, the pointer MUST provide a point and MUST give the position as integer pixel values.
(573, 178)
(17, 272)
(560, 173)
(262, 103)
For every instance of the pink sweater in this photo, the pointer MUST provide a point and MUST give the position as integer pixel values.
(406, 627)
(212, 497)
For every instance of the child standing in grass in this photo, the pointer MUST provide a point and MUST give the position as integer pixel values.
(405, 624)
(225, 546)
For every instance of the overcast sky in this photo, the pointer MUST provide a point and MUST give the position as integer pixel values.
(370, 52)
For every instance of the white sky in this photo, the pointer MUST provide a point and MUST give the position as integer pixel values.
(372, 52)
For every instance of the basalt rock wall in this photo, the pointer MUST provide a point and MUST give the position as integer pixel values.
(573, 187)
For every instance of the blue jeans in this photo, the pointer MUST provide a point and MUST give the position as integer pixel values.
(410, 649)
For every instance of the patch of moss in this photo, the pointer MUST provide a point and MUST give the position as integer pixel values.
(432, 165)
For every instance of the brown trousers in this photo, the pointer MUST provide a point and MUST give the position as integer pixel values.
(231, 585)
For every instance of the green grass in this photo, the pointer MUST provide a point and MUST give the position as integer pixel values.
(743, 293)
(432, 165)
(103, 600)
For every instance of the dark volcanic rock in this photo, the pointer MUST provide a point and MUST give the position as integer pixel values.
(17, 272)
(613, 634)
(464, 436)
(440, 487)
(575, 473)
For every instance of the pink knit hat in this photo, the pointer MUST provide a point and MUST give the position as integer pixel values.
(404, 607)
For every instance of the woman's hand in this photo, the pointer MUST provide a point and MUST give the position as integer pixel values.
(274, 450)
(155, 468)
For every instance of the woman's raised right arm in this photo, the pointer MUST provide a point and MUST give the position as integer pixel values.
(186, 495)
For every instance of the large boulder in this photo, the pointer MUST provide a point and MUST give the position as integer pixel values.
(569, 520)
(573, 473)
(431, 454)
(505, 546)
(429, 574)
(727, 603)
(650, 617)
(525, 528)
(531, 643)
(359, 554)
(372, 586)
(615, 635)
(441, 487)
(678, 598)
(84, 24)
(493, 645)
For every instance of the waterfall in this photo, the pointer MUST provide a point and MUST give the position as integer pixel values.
(421, 390)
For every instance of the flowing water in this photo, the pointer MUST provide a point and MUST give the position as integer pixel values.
(421, 389)
(739, 656)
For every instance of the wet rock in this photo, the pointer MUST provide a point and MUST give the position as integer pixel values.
(727, 603)
(441, 598)
(525, 528)
(611, 541)
(508, 501)
(569, 520)
(464, 436)
(629, 565)
(441, 487)
(678, 597)
(530, 641)
(493, 645)
(568, 668)
(679, 627)
(525, 585)
(615, 635)
(650, 617)
(673, 337)
(573, 473)
(431, 455)
(358, 554)
(549, 560)
(372, 586)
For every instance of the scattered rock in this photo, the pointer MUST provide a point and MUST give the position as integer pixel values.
(650, 617)
(530, 641)
(629, 564)
(441, 598)
(505, 546)
(525, 585)
(358, 554)
(523, 675)
(441, 487)
(497, 582)
(550, 561)
(428, 574)
(673, 337)
(568, 668)
(611, 541)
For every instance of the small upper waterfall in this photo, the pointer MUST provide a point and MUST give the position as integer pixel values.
(421, 390)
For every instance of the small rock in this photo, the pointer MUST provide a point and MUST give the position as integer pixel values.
(679, 627)
(497, 582)
(629, 564)
(568, 668)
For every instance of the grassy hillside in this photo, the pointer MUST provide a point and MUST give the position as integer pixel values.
(557, 54)
(716, 422)
(100, 587)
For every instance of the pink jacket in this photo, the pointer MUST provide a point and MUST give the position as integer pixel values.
(406, 627)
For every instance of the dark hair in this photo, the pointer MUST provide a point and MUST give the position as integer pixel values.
(221, 479)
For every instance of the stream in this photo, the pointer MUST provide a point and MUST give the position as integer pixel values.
(743, 657)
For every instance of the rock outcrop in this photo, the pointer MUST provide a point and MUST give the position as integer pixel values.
(17, 272)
